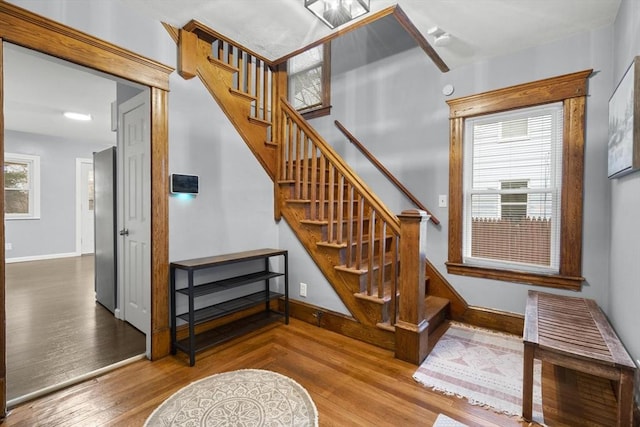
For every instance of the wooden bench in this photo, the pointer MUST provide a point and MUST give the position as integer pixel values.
(574, 333)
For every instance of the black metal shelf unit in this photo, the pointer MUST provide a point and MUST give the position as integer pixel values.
(196, 342)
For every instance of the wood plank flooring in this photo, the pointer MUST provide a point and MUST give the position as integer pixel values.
(55, 329)
(351, 382)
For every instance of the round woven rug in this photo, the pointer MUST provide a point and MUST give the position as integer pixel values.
(248, 397)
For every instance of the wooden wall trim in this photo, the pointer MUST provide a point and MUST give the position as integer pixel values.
(402, 19)
(337, 33)
(572, 186)
(342, 324)
(410, 28)
(554, 89)
(503, 321)
(36, 32)
(160, 332)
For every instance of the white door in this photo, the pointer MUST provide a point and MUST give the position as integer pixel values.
(84, 197)
(134, 260)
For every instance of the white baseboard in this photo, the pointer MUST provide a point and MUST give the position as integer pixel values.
(41, 257)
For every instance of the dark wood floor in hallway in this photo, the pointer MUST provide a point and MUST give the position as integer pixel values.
(55, 330)
(351, 382)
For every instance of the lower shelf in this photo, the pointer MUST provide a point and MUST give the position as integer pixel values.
(230, 330)
(227, 307)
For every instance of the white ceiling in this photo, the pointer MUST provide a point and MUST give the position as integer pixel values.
(479, 28)
(38, 90)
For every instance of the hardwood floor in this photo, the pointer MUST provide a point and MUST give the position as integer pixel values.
(55, 330)
(351, 382)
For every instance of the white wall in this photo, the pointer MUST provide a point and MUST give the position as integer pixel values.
(624, 277)
(234, 210)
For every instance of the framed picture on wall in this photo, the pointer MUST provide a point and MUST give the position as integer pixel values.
(624, 124)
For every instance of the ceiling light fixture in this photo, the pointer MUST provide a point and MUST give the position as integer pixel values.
(440, 37)
(337, 12)
(78, 116)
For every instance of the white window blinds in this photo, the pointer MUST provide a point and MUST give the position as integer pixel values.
(512, 182)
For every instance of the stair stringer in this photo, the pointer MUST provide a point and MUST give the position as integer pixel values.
(323, 259)
(219, 80)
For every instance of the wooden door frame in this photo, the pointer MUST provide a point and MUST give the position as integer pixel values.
(24, 28)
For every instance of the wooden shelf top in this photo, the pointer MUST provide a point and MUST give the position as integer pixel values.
(197, 263)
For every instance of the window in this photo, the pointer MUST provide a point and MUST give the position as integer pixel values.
(512, 171)
(516, 181)
(513, 206)
(310, 81)
(21, 186)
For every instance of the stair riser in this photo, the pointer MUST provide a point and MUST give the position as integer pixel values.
(341, 253)
(379, 311)
(359, 281)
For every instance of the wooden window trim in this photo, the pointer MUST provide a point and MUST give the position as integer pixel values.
(571, 90)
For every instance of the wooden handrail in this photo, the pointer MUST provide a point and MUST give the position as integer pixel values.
(206, 33)
(342, 167)
(384, 170)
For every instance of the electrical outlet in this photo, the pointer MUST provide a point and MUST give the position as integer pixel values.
(8, 246)
(303, 289)
(442, 201)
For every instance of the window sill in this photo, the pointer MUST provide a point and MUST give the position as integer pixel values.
(548, 280)
(316, 112)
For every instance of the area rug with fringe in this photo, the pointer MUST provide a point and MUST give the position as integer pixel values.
(247, 397)
(482, 366)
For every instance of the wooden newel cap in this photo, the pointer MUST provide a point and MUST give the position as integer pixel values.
(414, 215)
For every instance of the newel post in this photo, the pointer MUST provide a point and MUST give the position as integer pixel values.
(412, 337)
(187, 54)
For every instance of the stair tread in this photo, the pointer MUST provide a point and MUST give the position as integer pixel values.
(364, 269)
(259, 121)
(223, 64)
(242, 94)
(434, 305)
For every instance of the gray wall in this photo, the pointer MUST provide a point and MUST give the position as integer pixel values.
(55, 231)
(395, 106)
(624, 271)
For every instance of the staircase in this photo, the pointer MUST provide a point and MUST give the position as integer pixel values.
(357, 243)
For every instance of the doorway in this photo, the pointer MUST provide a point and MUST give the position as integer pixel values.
(55, 331)
(47, 36)
(85, 241)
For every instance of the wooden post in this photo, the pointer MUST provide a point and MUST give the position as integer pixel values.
(412, 336)
(279, 88)
(187, 54)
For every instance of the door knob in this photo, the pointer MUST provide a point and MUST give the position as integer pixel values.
(124, 232)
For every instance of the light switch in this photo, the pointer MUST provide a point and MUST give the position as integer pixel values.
(442, 201)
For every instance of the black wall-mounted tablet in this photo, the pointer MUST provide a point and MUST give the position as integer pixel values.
(181, 184)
